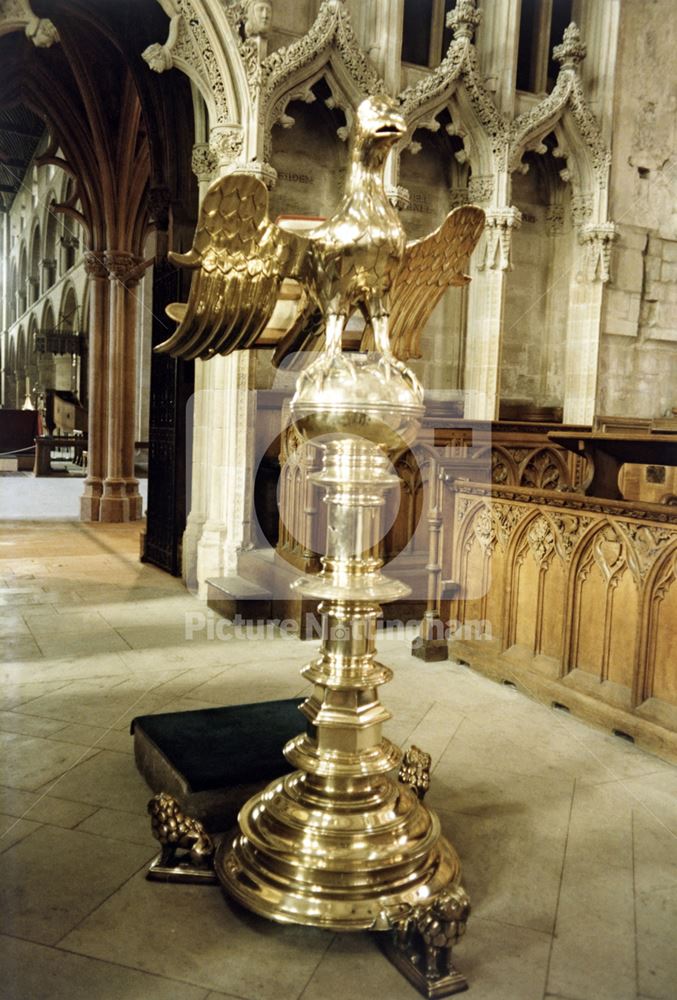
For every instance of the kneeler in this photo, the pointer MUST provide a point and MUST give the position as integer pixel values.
(208, 763)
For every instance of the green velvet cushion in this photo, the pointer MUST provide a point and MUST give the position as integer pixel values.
(216, 748)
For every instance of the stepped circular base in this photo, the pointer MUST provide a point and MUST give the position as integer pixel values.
(345, 868)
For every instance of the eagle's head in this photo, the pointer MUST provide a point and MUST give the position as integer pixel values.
(379, 125)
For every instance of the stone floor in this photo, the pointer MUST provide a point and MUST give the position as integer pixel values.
(567, 835)
(22, 497)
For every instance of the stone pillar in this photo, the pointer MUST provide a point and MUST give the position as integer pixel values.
(223, 457)
(589, 275)
(121, 500)
(198, 473)
(48, 270)
(32, 289)
(486, 303)
(204, 165)
(97, 445)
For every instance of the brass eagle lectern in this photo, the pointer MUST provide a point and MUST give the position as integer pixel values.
(340, 843)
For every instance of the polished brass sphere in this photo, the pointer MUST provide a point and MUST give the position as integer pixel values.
(370, 396)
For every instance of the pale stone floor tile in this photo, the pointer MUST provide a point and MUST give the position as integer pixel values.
(512, 858)
(656, 796)
(29, 763)
(59, 672)
(15, 802)
(79, 622)
(18, 695)
(39, 972)
(17, 648)
(13, 627)
(593, 955)
(45, 808)
(213, 944)
(601, 825)
(96, 736)
(151, 635)
(107, 640)
(28, 725)
(134, 828)
(106, 779)
(103, 702)
(435, 731)
(501, 962)
(657, 942)
(12, 830)
(655, 853)
(71, 874)
(510, 752)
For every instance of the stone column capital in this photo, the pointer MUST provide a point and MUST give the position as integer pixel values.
(597, 239)
(226, 142)
(498, 228)
(203, 161)
(119, 264)
(94, 264)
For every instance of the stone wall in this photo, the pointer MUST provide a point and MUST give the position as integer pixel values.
(638, 359)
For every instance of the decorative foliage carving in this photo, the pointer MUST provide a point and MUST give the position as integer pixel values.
(94, 265)
(643, 546)
(17, 15)
(506, 519)
(529, 129)
(496, 246)
(189, 48)
(483, 528)
(332, 32)
(544, 471)
(462, 506)
(481, 189)
(464, 19)
(459, 65)
(494, 523)
(226, 143)
(541, 541)
(595, 505)
(572, 50)
(121, 266)
(567, 529)
(203, 161)
(597, 240)
(501, 470)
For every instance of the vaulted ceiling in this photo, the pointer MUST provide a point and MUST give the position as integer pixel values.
(20, 133)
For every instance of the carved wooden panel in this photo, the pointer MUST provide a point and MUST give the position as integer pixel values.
(571, 588)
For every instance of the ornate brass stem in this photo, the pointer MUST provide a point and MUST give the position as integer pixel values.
(340, 843)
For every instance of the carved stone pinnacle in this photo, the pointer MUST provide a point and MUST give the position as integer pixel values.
(572, 50)
(464, 19)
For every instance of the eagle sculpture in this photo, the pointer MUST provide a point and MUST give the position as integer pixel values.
(358, 259)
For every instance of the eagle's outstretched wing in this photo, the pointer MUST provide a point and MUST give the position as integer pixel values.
(428, 268)
(239, 258)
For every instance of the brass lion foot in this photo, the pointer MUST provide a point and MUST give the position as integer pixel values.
(187, 853)
(421, 943)
(415, 770)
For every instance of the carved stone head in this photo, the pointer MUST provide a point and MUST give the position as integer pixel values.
(259, 17)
